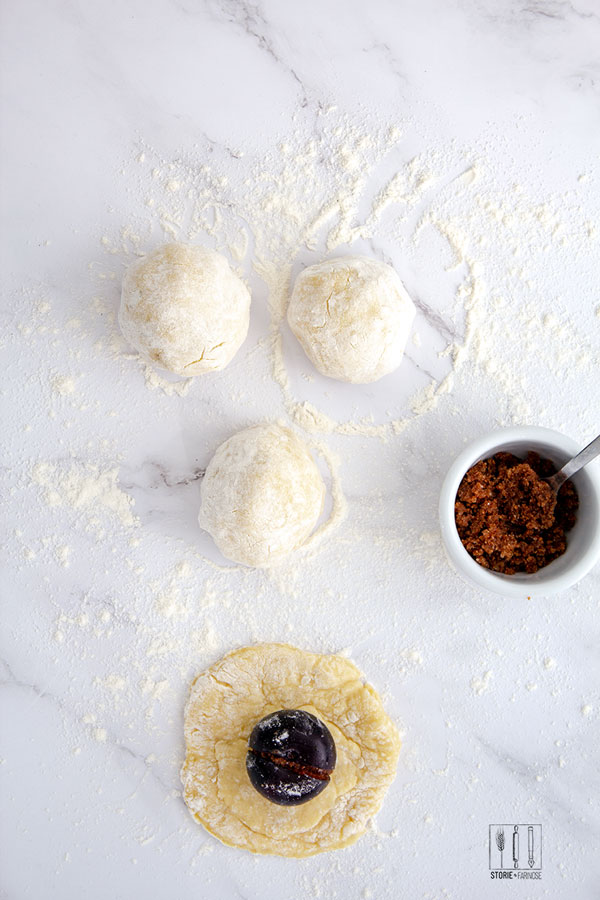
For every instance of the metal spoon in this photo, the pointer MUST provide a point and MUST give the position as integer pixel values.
(574, 465)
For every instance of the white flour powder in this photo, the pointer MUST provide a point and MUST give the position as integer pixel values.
(84, 486)
(155, 610)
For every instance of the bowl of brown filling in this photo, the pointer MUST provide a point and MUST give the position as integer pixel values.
(503, 527)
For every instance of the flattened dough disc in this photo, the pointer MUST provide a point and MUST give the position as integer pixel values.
(226, 702)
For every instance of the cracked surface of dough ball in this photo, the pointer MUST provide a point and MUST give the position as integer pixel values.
(224, 705)
(184, 309)
(352, 317)
(262, 495)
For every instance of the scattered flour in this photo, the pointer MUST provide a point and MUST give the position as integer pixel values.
(63, 555)
(114, 683)
(63, 385)
(320, 192)
(84, 486)
(411, 658)
(481, 684)
(155, 381)
(175, 623)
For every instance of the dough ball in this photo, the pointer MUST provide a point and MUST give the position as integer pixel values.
(352, 316)
(262, 495)
(224, 705)
(184, 309)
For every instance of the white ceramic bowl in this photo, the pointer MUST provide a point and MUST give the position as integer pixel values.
(583, 541)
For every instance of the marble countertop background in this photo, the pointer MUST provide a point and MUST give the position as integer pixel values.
(110, 607)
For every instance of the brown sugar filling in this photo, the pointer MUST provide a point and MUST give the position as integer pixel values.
(508, 517)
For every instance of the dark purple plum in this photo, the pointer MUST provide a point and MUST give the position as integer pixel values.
(291, 755)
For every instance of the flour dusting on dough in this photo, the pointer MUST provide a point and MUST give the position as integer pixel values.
(224, 705)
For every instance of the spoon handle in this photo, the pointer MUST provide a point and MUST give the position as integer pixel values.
(574, 465)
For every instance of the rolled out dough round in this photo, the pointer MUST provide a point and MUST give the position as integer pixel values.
(224, 705)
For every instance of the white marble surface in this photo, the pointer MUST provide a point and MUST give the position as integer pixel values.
(97, 654)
